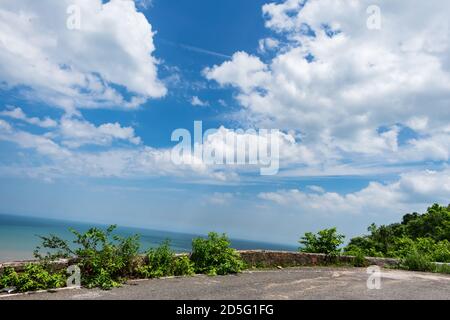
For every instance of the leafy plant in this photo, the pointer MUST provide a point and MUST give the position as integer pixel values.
(183, 266)
(104, 259)
(213, 256)
(359, 260)
(160, 262)
(34, 277)
(325, 241)
(416, 261)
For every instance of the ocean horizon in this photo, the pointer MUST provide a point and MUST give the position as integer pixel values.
(19, 236)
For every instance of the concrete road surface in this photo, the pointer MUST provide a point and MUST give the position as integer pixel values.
(292, 283)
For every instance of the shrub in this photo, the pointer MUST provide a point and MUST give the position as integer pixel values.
(416, 261)
(364, 245)
(104, 259)
(401, 247)
(441, 251)
(359, 259)
(436, 251)
(325, 241)
(160, 262)
(34, 277)
(214, 256)
(183, 266)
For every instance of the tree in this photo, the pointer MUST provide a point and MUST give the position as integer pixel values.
(426, 234)
(325, 241)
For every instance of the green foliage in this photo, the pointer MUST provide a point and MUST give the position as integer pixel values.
(34, 277)
(416, 261)
(162, 262)
(104, 259)
(183, 266)
(325, 241)
(441, 251)
(434, 224)
(359, 259)
(213, 256)
(425, 235)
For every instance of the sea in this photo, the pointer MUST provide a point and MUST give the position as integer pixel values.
(19, 236)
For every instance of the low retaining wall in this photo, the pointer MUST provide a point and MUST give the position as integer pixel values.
(262, 258)
(253, 258)
(20, 265)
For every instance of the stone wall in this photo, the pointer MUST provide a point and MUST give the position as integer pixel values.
(253, 258)
(20, 265)
(262, 258)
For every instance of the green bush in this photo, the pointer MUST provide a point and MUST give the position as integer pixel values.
(159, 262)
(362, 245)
(34, 277)
(104, 259)
(162, 262)
(213, 256)
(416, 261)
(359, 259)
(400, 247)
(183, 266)
(441, 252)
(325, 241)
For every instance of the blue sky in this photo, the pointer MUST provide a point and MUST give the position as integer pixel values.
(87, 112)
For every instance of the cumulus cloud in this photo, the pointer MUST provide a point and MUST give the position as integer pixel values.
(18, 114)
(225, 141)
(244, 71)
(349, 90)
(75, 133)
(42, 144)
(417, 188)
(55, 155)
(268, 44)
(107, 62)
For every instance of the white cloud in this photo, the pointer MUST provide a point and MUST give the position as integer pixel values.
(17, 113)
(222, 102)
(42, 144)
(317, 189)
(197, 102)
(5, 126)
(53, 160)
(79, 68)
(268, 44)
(244, 71)
(343, 87)
(75, 132)
(224, 141)
(412, 190)
(145, 4)
(220, 198)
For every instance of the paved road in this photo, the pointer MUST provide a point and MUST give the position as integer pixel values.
(293, 283)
